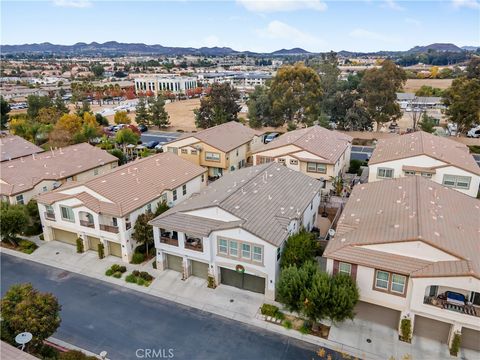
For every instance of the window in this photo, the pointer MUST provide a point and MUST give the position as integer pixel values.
(95, 171)
(398, 283)
(237, 152)
(19, 199)
(316, 167)
(67, 213)
(222, 246)
(257, 253)
(175, 195)
(246, 251)
(203, 177)
(149, 207)
(458, 182)
(184, 189)
(233, 248)
(293, 162)
(409, 173)
(210, 156)
(426, 175)
(114, 221)
(381, 279)
(264, 159)
(49, 208)
(385, 173)
(281, 161)
(184, 151)
(193, 152)
(345, 268)
(44, 189)
(70, 178)
(279, 253)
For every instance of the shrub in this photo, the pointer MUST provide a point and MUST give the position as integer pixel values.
(115, 267)
(27, 244)
(122, 269)
(354, 166)
(109, 272)
(48, 352)
(117, 275)
(137, 258)
(154, 264)
(287, 324)
(269, 310)
(131, 278)
(136, 273)
(406, 329)
(146, 276)
(140, 281)
(457, 339)
(306, 328)
(79, 245)
(101, 251)
(41, 237)
(75, 355)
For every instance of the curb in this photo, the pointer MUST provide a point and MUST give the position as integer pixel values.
(69, 346)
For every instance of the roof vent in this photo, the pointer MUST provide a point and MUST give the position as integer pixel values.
(396, 226)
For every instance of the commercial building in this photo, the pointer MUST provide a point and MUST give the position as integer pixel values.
(234, 231)
(168, 83)
(104, 210)
(412, 246)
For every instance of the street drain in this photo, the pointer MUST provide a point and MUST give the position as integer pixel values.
(231, 300)
(57, 253)
(369, 341)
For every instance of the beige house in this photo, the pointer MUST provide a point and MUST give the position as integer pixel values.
(439, 159)
(23, 178)
(104, 210)
(413, 248)
(221, 149)
(315, 151)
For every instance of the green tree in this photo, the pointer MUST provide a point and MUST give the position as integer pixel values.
(473, 68)
(296, 94)
(14, 219)
(4, 110)
(462, 101)
(356, 119)
(142, 231)
(157, 113)
(260, 108)
(120, 155)
(141, 113)
(317, 297)
(34, 226)
(378, 89)
(60, 105)
(24, 308)
(427, 123)
(161, 208)
(101, 120)
(426, 90)
(98, 70)
(121, 117)
(329, 75)
(218, 107)
(300, 248)
(343, 297)
(85, 108)
(35, 103)
(126, 136)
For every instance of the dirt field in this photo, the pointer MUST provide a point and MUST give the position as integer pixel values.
(413, 85)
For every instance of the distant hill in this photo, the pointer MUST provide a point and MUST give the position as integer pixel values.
(470, 48)
(436, 47)
(294, 51)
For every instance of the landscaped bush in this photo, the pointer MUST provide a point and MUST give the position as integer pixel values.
(118, 268)
(137, 258)
(406, 330)
(457, 339)
(306, 328)
(140, 281)
(146, 276)
(79, 245)
(101, 251)
(140, 278)
(154, 264)
(269, 310)
(27, 246)
(287, 324)
(41, 237)
(131, 278)
(355, 166)
(109, 272)
(75, 355)
(117, 275)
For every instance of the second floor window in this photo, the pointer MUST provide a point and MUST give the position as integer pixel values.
(345, 268)
(222, 246)
(381, 279)
(211, 156)
(184, 189)
(174, 195)
(19, 199)
(385, 173)
(316, 167)
(67, 213)
(257, 253)
(458, 182)
(246, 251)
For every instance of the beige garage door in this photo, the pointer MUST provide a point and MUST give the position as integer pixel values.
(174, 263)
(67, 237)
(377, 314)
(431, 329)
(199, 269)
(470, 339)
(115, 249)
(93, 243)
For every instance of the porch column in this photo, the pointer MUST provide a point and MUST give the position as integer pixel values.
(106, 248)
(161, 260)
(48, 233)
(454, 329)
(86, 245)
(186, 268)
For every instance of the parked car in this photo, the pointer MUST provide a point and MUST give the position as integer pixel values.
(151, 144)
(135, 129)
(270, 137)
(142, 128)
(474, 132)
(452, 129)
(159, 147)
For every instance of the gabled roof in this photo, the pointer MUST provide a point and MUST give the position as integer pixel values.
(130, 186)
(24, 173)
(317, 140)
(264, 198)
(422, 143)
(225, 137)
(409, 209)
(13, 147)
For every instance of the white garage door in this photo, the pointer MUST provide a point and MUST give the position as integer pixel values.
(431, 329)
(377, 314)
(67, 237)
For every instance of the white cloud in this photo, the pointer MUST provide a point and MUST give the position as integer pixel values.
(295, 37)
(392, 4)
(264, 6)
(364, 34)
(413, 21)
(471, 4)
(73, 3)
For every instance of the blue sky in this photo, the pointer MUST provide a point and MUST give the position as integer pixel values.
(261, 25)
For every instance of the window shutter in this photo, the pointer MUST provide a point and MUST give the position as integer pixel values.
(354, 272)
(335, 267)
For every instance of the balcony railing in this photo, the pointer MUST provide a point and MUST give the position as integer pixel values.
(443, 302)
(169, 241)
(87, 223)
(50, 216)
(196, 246)
(109, 228)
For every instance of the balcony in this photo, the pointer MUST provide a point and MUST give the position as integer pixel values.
(452, 300)
(170, 238)
(109, 228)
(49, 216)
(87, 223)
(193, 243)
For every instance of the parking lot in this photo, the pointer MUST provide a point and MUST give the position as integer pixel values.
(160, 136)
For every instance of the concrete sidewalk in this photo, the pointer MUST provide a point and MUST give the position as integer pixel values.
(242, 306)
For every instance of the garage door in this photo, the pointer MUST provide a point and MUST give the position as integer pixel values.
(67, 237)
(93, 243)
(431, 329)
(174, 263)
(377, 314)
(199, 269)
(242, 280)
(115, 249)
(470, 339)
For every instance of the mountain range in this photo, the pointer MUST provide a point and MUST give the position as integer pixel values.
(115, 48)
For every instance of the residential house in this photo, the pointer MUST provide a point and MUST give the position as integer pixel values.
(13, 147)
(104, 210)
(221, 149)
(439, 159)
(234, 231)
(23, 178)
(412, 246)
(315, 151)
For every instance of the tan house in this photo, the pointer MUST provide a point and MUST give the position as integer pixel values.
(104, 210)
(221, 149)
(23, 178)
(13, 147)
(315, 151)
(412, 246)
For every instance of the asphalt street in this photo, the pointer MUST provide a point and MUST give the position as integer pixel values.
(99, 316)
(160, 136)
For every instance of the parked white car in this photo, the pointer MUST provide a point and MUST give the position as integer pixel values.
(452, 129)
(474, 132)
